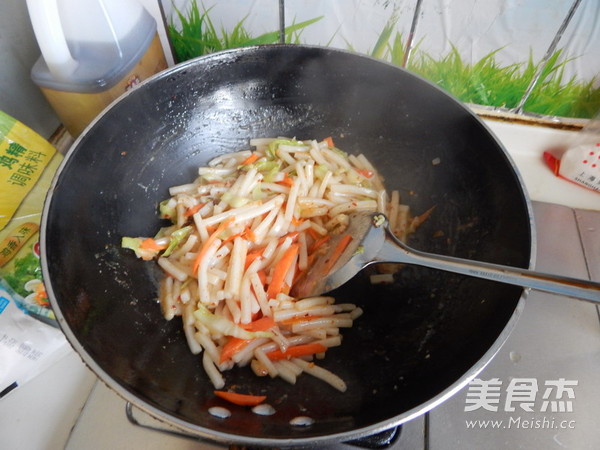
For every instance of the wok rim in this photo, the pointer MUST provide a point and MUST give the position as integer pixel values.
(203, 433)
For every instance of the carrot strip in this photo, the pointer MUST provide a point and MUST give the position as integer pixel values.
(418, 220)
(193, 210)
(365, 173)
(292, 234)
(222, 226)
(296, 221)
(337, 252)
(313, 234)
(151, 244)
(329, 141)
(287, 181)
(252, 256)
(311, 259)
(296, 351)
(249, 235)
(231, 238)
(263, 276)
(250, 159)
(233, 346)
(263, 324)
(319, 243)
(241, 399)
(280, 271)
(297, 276)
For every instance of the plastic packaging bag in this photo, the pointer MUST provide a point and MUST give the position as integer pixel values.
(27, 345)
(580, 161)
(29, 337)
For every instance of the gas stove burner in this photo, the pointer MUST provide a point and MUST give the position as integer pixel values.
(406, 436)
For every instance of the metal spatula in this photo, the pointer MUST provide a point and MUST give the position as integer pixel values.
(373, 242)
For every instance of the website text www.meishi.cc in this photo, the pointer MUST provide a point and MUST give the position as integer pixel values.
(521, 423)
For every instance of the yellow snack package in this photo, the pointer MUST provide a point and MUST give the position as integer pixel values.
(28, 163)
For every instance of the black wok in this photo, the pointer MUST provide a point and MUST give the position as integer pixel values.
(419, 340)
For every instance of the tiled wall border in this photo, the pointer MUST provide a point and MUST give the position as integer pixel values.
(516, 114)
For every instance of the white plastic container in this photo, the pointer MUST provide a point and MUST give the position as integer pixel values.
(92, 52)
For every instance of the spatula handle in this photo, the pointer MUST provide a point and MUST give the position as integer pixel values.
(395, 251)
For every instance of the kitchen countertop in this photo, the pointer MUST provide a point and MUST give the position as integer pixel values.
(67, 407)
(555, 339)
(526, 144)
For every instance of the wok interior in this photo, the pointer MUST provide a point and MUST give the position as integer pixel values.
(416, 338)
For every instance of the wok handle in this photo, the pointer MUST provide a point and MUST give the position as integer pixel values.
(394, 250)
